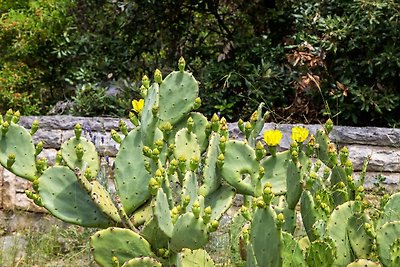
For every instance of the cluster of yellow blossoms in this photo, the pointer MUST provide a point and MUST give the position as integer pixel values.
(273, 137)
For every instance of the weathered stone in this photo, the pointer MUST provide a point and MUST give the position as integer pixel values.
(50, 138)
(8, 190)
(22, 202)
(389, 180)
(49, 154)
(373, 136)
(383, 159)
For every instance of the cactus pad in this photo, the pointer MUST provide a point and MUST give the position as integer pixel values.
(66, 199)
(18, 141)
(192, 258)
(126, 245)
(142, 262)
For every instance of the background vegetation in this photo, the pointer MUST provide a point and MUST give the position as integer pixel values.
(307, 60)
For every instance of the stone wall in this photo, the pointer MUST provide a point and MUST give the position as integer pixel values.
(381, 144)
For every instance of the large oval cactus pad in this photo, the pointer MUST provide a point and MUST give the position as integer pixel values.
(125, 245)
(178, 92)
(18, 141)
(67, 200)
(130, 172)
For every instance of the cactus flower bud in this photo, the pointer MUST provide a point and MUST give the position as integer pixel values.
(260, 203)
(41, 165)
(327, 172)
(143, 91)
(181, 64)
(153, 186)
(158, 76)
(241, 125)
(134, 120)
(190, 124)
(280, 220)
(88, 174)
(166, 128)
(248, 128)
(260, 151)
(220, 160)
(213, 226)
(146, 81)
(154, 110)
(348, 167)
(194, 163)
(79, 151)
(261, 172)
(317, 165)
(9, 115)
(147, 151)
(114, 261)
(78, 131)
(158, 174)
(215, 123)
(197, 103)
(172, 166)
(222, 144)
(10, 160)
(328, 126)
(196, 209)
(182, 164)
(4, 127)
(155, 154)
(123, 128)
(185, 202)
(246, 213)
(344, 155)
(38, 148)
(268, 194)
(115, 136)
(174, 214)
(59, 158)
(207, 214)
(254, 117)
(16, 116)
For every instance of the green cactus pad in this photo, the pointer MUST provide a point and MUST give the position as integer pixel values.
(276, 170)
(178, 92)
(142, 262)
(391, 211)
(240, 167)
(130, 172)
(322, 139)
(162, 213)
(220, 201)
(189, 232)
(291, 252)
(143, 214)
(186, 146)
(66, 199)
(321, 253)
(211, 179)
(265, 238)
(189, 188)
(364, 263)
(90, 157)
(148, 121)
(294, 185)
(385, 236)
(125, 245)
(192, 258)
(336, 229)
(18, 141)
(309, 214)
(102, 199)
(339, 175)
(361, 243)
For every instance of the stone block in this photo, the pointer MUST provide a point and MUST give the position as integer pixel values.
(383, 159)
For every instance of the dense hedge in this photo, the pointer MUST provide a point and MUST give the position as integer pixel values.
(307, 60)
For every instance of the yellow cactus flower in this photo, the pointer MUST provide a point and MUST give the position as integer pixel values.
(138, 105)
(299, 134)
(272, 137)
